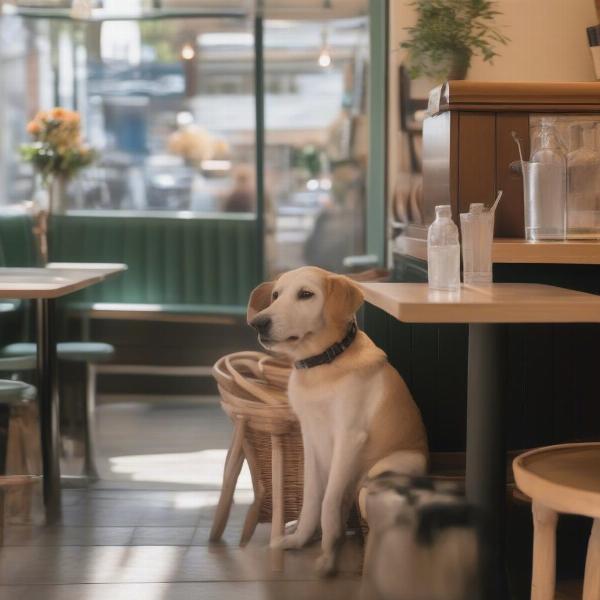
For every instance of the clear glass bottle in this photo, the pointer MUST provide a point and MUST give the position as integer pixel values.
(583, 179)
(443, 252)
(546, 191)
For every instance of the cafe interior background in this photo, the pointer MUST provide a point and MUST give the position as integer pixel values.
(235, 140)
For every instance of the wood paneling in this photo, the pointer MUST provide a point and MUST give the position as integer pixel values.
(498, 96)
(476, 159)
(510, 213)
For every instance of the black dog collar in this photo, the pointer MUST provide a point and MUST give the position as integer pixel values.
(331, 353)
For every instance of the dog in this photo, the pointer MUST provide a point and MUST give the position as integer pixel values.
(423, 540)
(356, 413)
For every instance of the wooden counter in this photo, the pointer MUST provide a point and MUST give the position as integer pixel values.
(519, 251)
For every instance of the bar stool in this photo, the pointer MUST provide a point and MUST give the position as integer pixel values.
(90, 353)
(9, 483)
(561, 479)
(23, 454)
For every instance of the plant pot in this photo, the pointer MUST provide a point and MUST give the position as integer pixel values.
(458, 65)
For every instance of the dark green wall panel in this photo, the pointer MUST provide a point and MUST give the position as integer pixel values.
(551, 378)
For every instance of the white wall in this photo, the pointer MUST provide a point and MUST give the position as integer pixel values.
(547, 40)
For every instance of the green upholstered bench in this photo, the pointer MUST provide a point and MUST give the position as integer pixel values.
(198, 269)
(70, 351)
(178, 269)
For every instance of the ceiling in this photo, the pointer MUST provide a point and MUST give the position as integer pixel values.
(321, 9)
(273, 9)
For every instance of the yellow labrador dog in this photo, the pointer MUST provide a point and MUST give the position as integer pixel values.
(356, 413)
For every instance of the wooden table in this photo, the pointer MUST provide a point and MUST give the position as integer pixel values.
(45, 286)
(485, 308)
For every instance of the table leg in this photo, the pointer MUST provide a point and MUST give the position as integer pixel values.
(486, 451)
(4, 424)
(49, 407)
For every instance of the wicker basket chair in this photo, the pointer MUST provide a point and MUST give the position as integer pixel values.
(253, 388)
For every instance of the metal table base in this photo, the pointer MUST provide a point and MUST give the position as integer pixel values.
(486, 452)
(49, 405)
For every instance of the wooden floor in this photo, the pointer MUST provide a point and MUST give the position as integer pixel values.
(143, 531)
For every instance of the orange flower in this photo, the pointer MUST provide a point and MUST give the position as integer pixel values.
(58, 113)
(33, 127)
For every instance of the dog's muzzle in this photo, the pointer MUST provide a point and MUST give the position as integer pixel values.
(262, 324)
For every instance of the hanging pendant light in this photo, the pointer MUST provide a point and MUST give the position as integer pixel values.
(324, 56)
(188, 52)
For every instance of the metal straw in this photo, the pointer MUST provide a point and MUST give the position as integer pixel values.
(518, 142)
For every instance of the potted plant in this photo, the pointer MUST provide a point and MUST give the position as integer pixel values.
(447, 34)
(57, 152)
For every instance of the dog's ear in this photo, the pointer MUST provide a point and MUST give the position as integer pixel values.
(260, 298)
(344, 297)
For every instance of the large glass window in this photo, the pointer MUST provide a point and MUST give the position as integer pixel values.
(316, 141)
(168, 105)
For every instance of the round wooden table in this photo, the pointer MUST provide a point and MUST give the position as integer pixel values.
(561, 479)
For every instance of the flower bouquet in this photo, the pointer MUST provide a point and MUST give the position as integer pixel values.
(57, 153)
(57, 149)
(195, 145)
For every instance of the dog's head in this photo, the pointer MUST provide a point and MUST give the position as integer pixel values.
(304, 311)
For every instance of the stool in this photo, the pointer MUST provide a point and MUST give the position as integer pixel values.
(10, 482)
(561, 479)
(23, 448)
(90, 353)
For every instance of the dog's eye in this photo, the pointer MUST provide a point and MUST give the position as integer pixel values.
(275, 295)
(304, 295)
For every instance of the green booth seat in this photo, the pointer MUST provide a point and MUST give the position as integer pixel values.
(201, 265)
(18, 247)
(20, 356)
(93, 352)
(15, 392)
(7, 306)
(194, 265)
(27, 362)
(21, 438)
(159, 308)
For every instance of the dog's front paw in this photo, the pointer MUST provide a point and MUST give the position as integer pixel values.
(326, 566)
(287, 542)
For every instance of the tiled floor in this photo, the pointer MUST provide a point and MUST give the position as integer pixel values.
(142, 532)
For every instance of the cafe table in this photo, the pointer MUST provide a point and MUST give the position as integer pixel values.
(45, 286)
(486, 309)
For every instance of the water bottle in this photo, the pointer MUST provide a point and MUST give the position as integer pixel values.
(443, 252)
(583, 183)
(546, 194)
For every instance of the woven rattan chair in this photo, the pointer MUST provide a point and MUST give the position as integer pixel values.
(267, 435)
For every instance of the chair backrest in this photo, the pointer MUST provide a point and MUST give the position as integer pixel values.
(170, 260)
(17, 242)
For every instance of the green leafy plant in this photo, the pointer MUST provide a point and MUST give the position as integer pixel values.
(448, 33)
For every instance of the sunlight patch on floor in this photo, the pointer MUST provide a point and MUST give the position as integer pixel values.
(204, 468)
